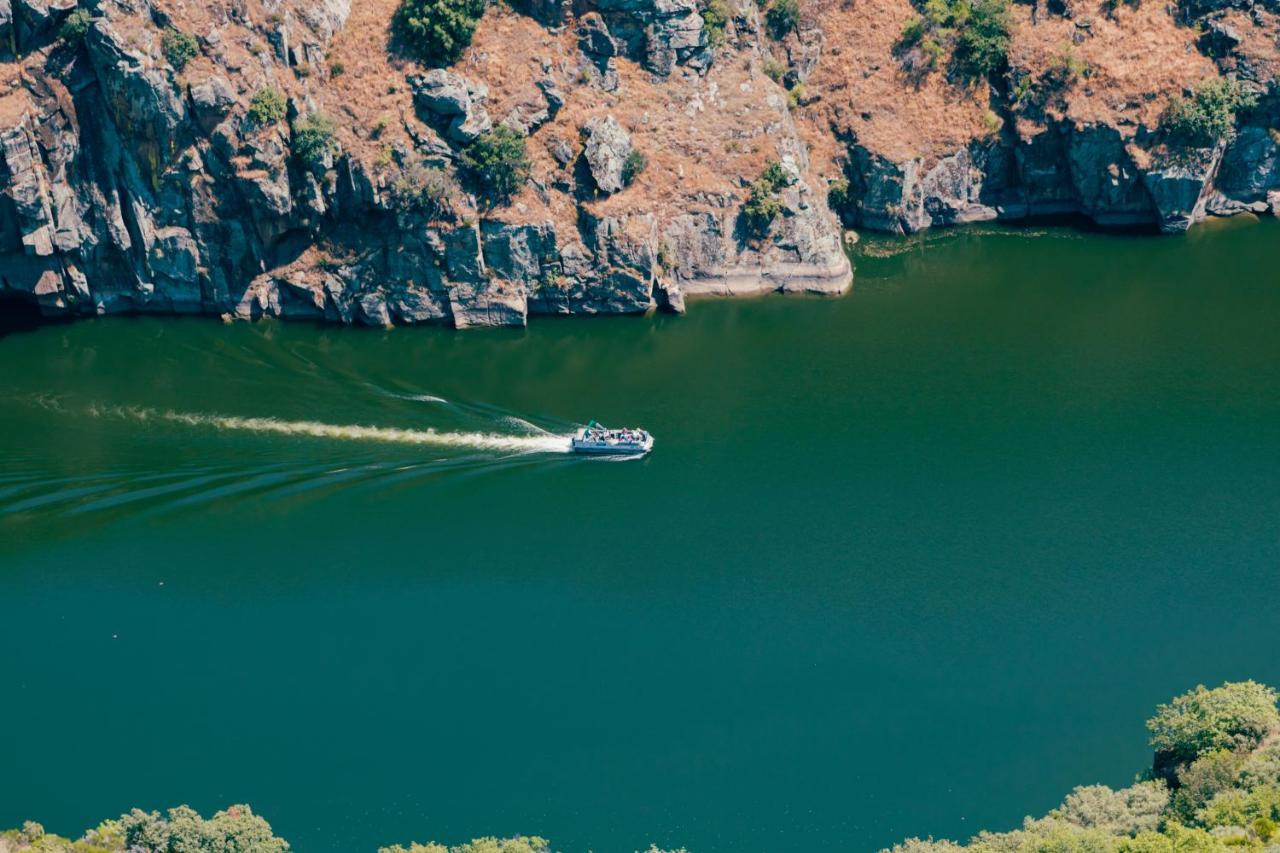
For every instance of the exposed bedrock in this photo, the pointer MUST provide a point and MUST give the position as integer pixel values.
(1091, 170)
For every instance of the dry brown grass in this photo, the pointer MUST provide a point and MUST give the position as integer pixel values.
(866, 93)
(1136, 60)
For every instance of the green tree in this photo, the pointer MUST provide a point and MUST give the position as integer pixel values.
(76, 26)
(633, 166)
(1235, 716)
(267, 106)
(181, 830)
(1207, 117)
(314, 140)
(760, 209)
(498, 164)
(1202, 780)
(982, 47)
(783, 17)
(437, 31)
(179, 47)
(1128, 811)
(715, 17)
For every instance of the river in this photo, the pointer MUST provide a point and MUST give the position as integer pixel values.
(912, 561)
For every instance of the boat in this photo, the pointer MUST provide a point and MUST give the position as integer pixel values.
(594, 438)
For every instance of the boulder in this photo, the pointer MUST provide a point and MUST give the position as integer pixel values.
(608, 146)
(211, 100)
(441, 92)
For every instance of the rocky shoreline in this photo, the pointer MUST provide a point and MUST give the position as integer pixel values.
(132, 182)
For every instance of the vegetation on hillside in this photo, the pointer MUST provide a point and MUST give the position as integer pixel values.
(715, 17)
(267, 106)
(437, 31)
(179, 47)
(1215, 788)
(497, 163)
(236, 830)
(75, 27)
(763, 205)
(1208, 116)
(783, 17)
(315, 141)
(974, 32)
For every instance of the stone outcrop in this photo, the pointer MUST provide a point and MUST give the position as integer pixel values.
(608, 147)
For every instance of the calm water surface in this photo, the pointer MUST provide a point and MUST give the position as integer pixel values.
(914, 561)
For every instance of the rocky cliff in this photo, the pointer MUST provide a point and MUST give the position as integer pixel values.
(282, 157)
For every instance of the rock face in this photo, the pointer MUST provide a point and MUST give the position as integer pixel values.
(130, 185)
(608, 147)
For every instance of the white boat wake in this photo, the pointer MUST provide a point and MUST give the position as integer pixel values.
(542, 443)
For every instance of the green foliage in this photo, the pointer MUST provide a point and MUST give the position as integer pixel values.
(839, 195)
(437, 31)
(314, 141)
(182, 830)
(267, 106)
(975, 31)
(783, 17)
(796, 95)
(773, 69)
(179, 47)
(1208, 116)
(498, 163)
(773, 176)
(1202, 780)
(1125, 812)
(75, 27)
(432, 192)
(912, 32)
(633, 166)
(1243, 808)
(1235, 716)
(1226, 795)
(763, 205)
(715, 17)
(983, 44)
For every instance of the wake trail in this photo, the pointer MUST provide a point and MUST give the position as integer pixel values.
(545, 443)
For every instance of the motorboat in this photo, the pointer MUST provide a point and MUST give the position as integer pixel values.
(598, 439)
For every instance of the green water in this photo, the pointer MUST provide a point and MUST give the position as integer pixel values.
(913, 561)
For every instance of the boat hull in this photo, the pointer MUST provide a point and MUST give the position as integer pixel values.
(612, 449)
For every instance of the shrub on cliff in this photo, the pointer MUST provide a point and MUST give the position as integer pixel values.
(759, 210)
(1208, 116)
(497, 164)
(715, 17)
(1233, 717)
(314, 141)
(179, 47)
(976, 32)
(437, 31)
(75, 27)
(267, 106)
(982, 46)
(633, 166)
(783, 17)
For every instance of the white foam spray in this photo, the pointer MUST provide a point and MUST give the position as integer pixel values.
(544, 443)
